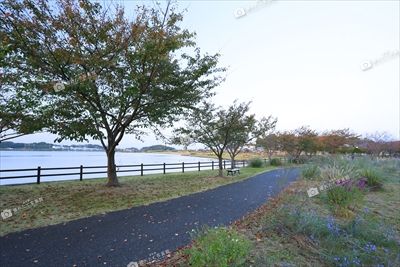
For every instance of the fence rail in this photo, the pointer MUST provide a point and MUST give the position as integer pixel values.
(138, 168)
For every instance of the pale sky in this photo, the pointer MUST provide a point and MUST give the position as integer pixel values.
(300, 61)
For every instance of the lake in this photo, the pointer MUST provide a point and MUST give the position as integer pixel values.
(54, 159)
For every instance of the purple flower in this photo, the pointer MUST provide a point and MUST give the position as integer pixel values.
(369, 247)
(332, 226)
(356, 261)
(344, 262)
(362, 183)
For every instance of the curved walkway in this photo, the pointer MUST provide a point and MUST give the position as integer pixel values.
(118, 238)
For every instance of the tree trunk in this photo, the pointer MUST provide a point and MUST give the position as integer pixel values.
(112, 179)
(269, 156)
(221, 168)
(232, 162)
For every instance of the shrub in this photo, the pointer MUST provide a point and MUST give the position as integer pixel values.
(374, 180)
(256, 163)
(310, 171)
(218, 247)
(275, 162)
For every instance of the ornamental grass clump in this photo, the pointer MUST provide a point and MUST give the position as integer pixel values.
(338, 170)
(343, 199)
(310, 172)
(373, 178)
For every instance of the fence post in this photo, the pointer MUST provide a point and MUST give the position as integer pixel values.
(243, 163)
(81, 173)
(224, 165)
(38, 175)
(141, 169)
(199, 165)
(164, 169)
(212, 165)
(183, 167)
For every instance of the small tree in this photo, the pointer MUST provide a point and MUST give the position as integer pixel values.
(393, 148)
(113, 75)
(377, 143)
(248, 130)
(216, 128)
(289, 143)
(301, 140)
(270, 144)
(333, 141)
(183, 140)
(307, 140)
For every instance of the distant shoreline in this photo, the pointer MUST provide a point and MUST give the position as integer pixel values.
(51, 150)
(42, 146)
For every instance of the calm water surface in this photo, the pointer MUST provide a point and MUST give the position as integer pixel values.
(51, 159)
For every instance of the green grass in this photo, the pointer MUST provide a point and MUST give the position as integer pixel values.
(65, 201)
(218, 247)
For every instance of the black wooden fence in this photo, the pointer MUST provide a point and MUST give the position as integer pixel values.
(140, 169)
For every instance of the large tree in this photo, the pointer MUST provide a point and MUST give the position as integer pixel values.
(106, 75)
(216, 128)
(19, 114)
(20, 110)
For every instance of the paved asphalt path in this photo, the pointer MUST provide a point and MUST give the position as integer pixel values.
(118, 238)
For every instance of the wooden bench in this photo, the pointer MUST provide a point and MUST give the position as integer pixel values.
(233, 171)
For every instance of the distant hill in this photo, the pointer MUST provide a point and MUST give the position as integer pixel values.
(129, 149)
(157, 148)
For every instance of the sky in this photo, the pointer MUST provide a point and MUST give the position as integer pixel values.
(324, 64)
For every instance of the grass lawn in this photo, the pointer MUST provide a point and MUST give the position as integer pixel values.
(334, 228)
(65, 201)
